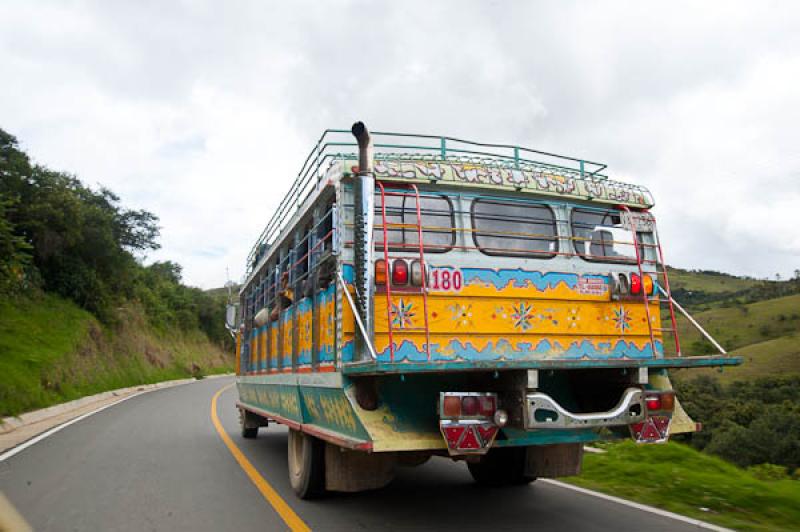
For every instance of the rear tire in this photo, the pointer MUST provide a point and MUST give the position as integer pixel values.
(306, 465)
(248, 430)
(502, 466)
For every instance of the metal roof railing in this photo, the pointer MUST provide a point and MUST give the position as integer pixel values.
(339, 144)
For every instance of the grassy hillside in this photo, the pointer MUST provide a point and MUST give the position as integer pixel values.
(53, 351)
(682, 480)
(758, 320)
(708, 282)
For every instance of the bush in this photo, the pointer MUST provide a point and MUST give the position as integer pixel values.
(768, 472)
(747, 423)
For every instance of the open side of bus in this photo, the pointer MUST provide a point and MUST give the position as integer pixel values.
(497, 312)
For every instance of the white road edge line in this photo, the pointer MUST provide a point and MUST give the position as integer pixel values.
(39, 437)
(643, 507)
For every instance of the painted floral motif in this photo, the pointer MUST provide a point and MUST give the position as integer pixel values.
(461, 315)
(621, 318)
(305, 332)
(522, 316)
(435, 171)
(403, 314)
(573, 317)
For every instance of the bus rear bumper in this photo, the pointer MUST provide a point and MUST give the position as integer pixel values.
(544, 412)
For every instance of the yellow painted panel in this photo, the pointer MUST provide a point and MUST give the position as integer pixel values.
(461, 315)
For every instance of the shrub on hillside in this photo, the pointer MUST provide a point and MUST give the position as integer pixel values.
(747, 423)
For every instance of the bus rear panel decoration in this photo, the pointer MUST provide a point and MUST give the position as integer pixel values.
(418, 296)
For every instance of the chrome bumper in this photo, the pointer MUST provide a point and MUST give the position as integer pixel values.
(543, 412)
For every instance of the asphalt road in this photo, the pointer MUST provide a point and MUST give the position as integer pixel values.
(156, 462)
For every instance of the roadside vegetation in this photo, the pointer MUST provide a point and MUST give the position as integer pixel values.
(680, 479)
(743, 469)
(79, 311)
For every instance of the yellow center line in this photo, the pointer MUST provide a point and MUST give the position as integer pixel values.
(291, 519)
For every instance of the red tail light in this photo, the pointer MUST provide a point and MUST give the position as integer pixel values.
(636, 284)
(653, 402)
(452, 406)
(470, 405)
(400, 272)
(487, 407)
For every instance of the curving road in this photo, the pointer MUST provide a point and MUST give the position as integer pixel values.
(156, 462)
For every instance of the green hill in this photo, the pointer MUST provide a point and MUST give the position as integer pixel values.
(758, 320)
(52, 351)
(708, 281)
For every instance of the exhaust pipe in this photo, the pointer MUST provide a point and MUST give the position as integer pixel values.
(364, 218)
(361, 134)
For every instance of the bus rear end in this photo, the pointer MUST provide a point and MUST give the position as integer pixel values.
(513, 321)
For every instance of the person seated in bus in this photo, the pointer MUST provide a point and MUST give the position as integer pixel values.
(287, 297)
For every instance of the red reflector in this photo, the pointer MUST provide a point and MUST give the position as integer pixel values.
(636, 429)
(487, 433)
(662, 424)
(452, 406)
(470, 440)
(636, 284)
(452, 435)
(650, 433)
(487, 405)
(400, 272)
(469, 405)
(653, 402)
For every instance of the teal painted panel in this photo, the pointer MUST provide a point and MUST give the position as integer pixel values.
(445, 367)
(329, 408)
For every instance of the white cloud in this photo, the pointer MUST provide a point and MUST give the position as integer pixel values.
(203, 114)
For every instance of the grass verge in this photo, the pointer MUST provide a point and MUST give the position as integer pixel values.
(52, 351)
(677, 478)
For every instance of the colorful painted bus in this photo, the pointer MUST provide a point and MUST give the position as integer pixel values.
(417, 296)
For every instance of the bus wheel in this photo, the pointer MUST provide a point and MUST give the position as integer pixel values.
(249, 428)
(503, 466)
(306, 465)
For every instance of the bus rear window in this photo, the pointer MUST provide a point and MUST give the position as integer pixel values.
(601, 236)
(514, 229)
(438, 224)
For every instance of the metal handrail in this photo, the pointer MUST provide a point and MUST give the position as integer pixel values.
(693, 321)
(443, 147)
(367, 339)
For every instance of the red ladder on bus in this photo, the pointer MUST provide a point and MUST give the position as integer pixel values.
(659, 262)
(388, 265)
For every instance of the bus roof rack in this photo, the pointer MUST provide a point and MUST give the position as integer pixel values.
(339, 145)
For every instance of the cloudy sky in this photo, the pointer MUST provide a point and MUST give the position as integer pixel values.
(202, 112)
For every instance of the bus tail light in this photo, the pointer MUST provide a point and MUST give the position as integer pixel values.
(470, 405)
(416, 273)
(636, 284)
(487, 405)
(649, 284)
(470, 421)
(451, 406)
(660, 401)
(380, 272)
(400, 272)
